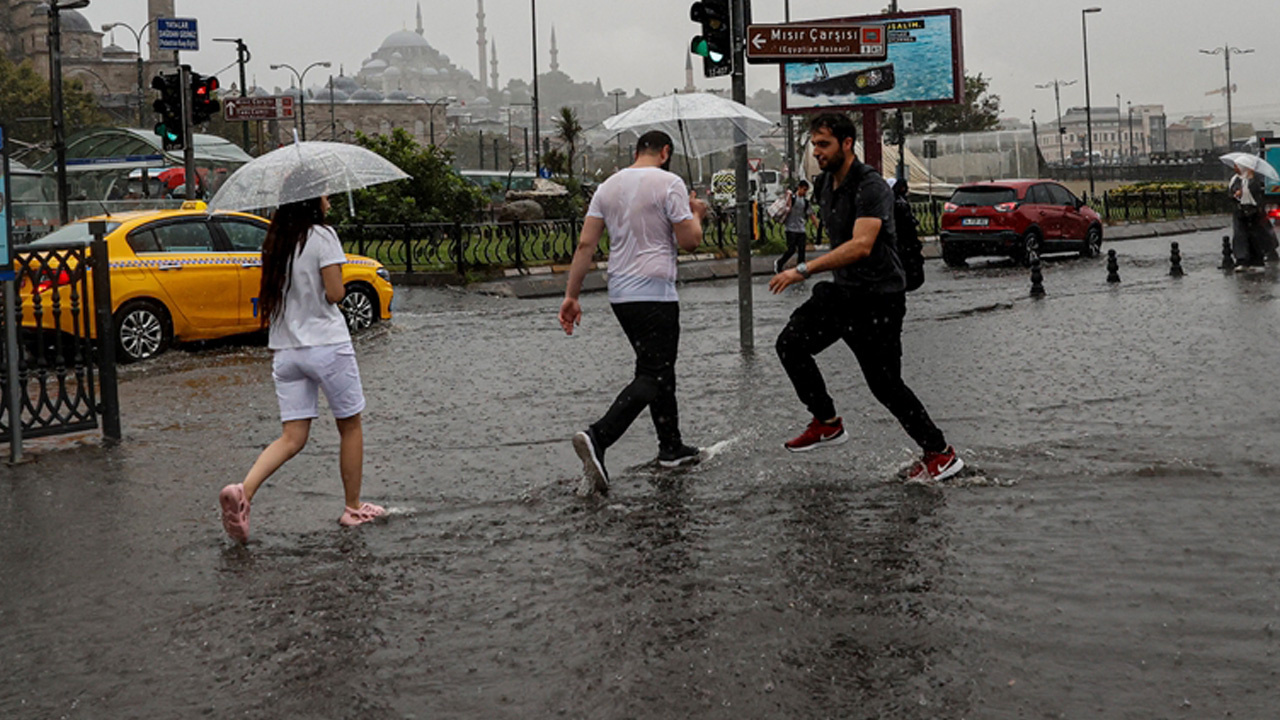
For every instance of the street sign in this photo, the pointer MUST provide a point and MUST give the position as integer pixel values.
(931, 148)
(177, 34)
(544, 172)
(272, 107)
(6, 254)
(815, 42)
(755, 164)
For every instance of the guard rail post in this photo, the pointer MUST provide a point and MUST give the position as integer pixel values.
(100, 264)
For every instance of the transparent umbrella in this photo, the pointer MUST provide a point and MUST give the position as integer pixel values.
(302, 171)
(701, 122)
(1253, 162)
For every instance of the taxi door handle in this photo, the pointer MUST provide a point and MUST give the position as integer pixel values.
(170, 266)
(250, 264)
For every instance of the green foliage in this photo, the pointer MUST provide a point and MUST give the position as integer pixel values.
(432, 193)
(570, 131)
(979, 111)
(24, 94)
(1170, 186)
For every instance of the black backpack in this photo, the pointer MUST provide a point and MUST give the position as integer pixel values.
(910, 249)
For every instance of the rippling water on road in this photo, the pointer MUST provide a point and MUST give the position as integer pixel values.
(1111, 554)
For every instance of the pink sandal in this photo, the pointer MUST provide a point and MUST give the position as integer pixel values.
(235, 512)
(361, 515)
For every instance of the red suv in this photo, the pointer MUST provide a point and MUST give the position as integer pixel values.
(1013, 217)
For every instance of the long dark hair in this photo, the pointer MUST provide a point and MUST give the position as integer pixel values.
(285, 238)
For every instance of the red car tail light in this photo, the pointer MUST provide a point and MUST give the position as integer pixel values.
(950, 207)
(1274, 213)
(52, 280)
(1006, 207)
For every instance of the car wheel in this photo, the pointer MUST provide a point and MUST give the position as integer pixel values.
(1092, 242)
(953, 258)
(360, 307)
(143, 330)
(1031, 242)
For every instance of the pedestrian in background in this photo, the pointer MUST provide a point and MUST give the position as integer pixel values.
(649, 215)
(1253, 238)
(301, 287)
(798, 212)
(863, 305)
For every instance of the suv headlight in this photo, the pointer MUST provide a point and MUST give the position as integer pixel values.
(382, 273)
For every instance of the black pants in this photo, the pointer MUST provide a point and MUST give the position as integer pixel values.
(795, 246)
(653, 328)
(871, 325)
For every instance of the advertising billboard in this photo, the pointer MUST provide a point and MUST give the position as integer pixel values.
(6, 252)
(924, 66)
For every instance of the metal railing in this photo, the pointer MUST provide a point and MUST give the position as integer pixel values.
(1156, 205)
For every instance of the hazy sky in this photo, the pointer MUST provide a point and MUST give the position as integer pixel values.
(1145, 50)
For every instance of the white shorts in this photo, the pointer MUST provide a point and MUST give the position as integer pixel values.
(300, 373)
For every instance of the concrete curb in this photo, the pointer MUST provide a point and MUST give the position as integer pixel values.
(696, 268)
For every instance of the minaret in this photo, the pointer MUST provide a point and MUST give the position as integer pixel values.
(155, 9)
(493, 63)
(480, 39)
(555, 54)
(688, 73)
(419, 29)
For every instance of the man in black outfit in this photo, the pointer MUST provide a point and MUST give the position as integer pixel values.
(863, 305)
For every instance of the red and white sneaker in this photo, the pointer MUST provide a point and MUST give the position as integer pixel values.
(936, 466)
(818, 434)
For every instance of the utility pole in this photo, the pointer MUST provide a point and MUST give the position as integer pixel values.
(742, 214)
(616, 94)
(533, 8)
(242, 57)
(55, 88)
(901, 171)
(188, 143)
(791, 130)
(1227, 51)
(1057, 102)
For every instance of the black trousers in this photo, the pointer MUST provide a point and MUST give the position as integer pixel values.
(653, 328)
(795, 246)
(871, 325)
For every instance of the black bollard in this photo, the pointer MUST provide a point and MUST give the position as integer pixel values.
(1037, 279)
(1175, 261)
(1113, 267)
(1228, 260)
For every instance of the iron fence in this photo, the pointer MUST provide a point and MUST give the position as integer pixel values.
(1155, 205)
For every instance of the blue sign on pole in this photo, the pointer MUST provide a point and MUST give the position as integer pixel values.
(177, 34)
(544, 172)
(6, 252)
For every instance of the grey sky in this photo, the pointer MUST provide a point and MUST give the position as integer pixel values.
(1145, 50)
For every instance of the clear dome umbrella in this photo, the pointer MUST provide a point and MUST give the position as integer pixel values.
(302, 171)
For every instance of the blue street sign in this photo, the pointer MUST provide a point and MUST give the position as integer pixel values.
(6, 253)
(177, 34)
(544, 172)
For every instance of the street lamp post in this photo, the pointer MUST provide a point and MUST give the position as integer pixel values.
(1227, 51)
(1132, 154)
(533, 11)
(1057, 101)
(526, 130)
(432, 112)
(302, 88)
(617, 94)
(1088, 109)
(242, 57)
(137, 38)
(55, 99)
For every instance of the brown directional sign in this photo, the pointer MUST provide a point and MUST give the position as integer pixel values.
(274, 107)
(800, 42)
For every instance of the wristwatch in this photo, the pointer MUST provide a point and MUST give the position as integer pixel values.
(803, 269)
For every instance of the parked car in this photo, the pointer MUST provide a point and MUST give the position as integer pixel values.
(1013, 217)
(187, 274)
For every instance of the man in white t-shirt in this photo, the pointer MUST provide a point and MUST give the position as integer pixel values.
(648, 213)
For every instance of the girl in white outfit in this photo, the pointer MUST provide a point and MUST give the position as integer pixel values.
(301, 288)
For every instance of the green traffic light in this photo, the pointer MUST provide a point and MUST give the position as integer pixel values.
(702, 48)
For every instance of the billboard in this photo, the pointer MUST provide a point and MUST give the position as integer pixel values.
(6, 252)
(924, 66)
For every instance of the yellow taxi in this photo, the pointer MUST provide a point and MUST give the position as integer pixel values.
(179, 275)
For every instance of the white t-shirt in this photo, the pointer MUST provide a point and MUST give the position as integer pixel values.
(309, 319)
(639, 207)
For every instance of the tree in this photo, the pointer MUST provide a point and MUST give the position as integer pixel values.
(570, 131)
(25, 95)
(433, 192)
(980, 111)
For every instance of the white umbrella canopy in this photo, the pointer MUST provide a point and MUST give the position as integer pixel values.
(1253, 162)
(701, 123)
(302, 171)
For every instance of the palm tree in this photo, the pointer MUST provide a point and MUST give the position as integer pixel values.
(570, 131)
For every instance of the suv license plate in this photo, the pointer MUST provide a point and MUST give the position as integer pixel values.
(981, 222)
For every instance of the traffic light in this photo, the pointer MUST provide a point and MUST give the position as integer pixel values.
(203, 103)
(169, 106)
(715, 44)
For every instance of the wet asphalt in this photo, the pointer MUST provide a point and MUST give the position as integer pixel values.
(1111, 552)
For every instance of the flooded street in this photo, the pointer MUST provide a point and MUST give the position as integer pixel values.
(1113, 552)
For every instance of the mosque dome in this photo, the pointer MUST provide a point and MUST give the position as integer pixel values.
(346, 83)
(430, 72)
(375, 65)
(404, 39)
(392, 72)
(73, 21)
(338, 95)
(366, 95)
(398, 96)
(482, 101)
(115, 52)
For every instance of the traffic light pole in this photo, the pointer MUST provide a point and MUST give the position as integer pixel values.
(742, 215)
(188, 151)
